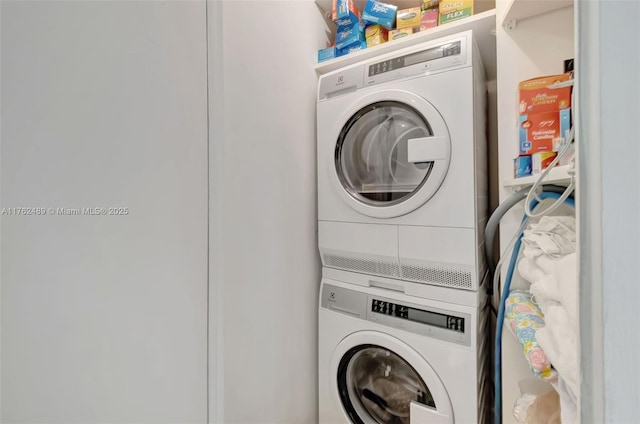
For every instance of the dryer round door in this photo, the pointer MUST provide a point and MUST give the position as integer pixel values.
(392, 153)
(381, 380)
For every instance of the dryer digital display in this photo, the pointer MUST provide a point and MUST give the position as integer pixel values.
(449, 49)
(421, 316)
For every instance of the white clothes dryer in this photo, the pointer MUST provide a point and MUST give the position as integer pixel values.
(389, 358)
(402, 172)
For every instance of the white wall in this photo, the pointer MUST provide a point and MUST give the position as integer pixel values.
(267, 269)
(104, 319)
(609, 66)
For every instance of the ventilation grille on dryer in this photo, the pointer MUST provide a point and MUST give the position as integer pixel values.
(441, 274)
(365, 264)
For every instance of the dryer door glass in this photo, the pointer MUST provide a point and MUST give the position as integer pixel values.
(372, 153)
(377, 386)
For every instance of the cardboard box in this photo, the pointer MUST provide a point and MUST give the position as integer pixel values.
(349, 35)
(375, 35)
(408, 18)
(541, 161)
(536, 97)
(522, 166)
(430, 4)
(376, 12)
(452, 10)
(344, 12)
(538, 132)
(396, 34)
(361, 45)
(429, 19)
(327, 54)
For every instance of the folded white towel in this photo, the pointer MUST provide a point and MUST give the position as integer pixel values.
(566, 275)
(559, 342)
(546, 264)
(529, 270)
(555, 236)
(545, 292)
(568, 402)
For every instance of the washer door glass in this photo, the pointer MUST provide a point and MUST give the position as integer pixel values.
(377, 386)
(372, 154)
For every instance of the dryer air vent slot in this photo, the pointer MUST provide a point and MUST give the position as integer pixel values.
(444, 275)
(364, 264)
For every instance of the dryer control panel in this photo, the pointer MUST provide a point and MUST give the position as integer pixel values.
(448, 53)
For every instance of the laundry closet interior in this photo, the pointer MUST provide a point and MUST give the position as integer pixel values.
(316, 230)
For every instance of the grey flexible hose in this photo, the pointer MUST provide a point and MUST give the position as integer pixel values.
(499, 212)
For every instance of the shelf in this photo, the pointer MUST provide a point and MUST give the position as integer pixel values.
(558, 175)
(483, 26)
(523, 9)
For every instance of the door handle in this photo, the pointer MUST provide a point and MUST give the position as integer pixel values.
(428, 149)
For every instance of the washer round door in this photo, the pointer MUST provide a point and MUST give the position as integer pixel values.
(392, 153)
(381, 380)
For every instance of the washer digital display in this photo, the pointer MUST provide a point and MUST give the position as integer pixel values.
(408, 313)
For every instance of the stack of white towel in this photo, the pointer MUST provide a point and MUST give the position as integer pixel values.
(549, 264)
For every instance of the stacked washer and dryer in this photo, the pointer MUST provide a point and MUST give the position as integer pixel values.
(402, 205)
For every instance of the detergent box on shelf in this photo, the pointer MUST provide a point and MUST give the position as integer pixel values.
(376, 12)
(327, 54)
(397, 34)
(540, 132)
(452, 10)
(541, 161)
(408, 18)
(522, 166)
(535, 96)
(429, 19)
(349, 35)
(344, 12)
(375, 35)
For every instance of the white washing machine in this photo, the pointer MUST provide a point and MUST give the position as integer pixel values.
(389, 358)
(402, 164)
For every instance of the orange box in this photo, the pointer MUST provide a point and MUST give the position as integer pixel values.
(536, 97)
(539, 132)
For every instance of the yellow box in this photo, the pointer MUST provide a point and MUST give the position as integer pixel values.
(452, 10)
(400, 33)
(408, 18)
(375, 35)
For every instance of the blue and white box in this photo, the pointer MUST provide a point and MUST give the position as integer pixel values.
(327, 54)
(522, 166)
(361, 45)
(349, 35)
(376, 12)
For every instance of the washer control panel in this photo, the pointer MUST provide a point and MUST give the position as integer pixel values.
(443, 324)
(449, 322)
(438, 323)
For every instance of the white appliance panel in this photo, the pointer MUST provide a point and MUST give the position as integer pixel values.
(457, 367)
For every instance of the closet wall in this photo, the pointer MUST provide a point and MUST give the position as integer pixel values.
(104, 318)
(528, 45)
(265, 271)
